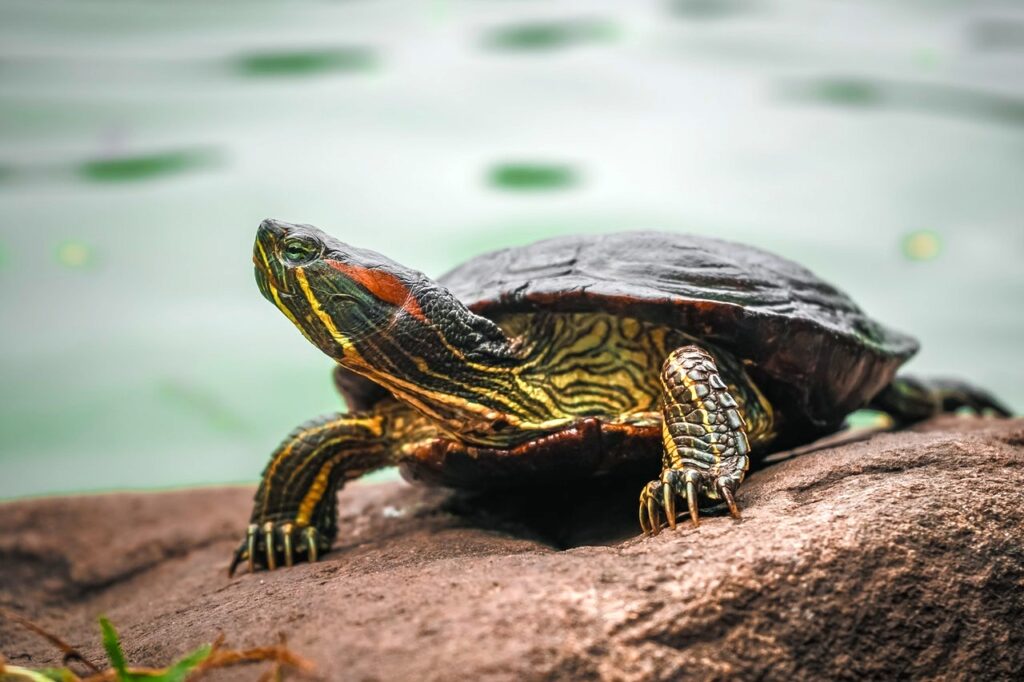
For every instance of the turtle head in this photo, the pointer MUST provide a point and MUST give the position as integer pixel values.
(336, 294)
(393, 325)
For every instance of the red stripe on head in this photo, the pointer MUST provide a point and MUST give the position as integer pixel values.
(382, 285)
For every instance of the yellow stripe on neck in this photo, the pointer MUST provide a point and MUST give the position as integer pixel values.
(341, 339)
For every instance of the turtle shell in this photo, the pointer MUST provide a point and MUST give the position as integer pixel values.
(810, 348)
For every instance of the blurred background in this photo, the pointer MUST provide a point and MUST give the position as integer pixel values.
(879, 143)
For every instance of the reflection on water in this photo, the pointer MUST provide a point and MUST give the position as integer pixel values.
(141, 144)
(73, 253)
(549, 35)
(925, 98)
(532, 176)
(704, 10)
(305, 62)
(113, 168)
(922, 245)
(997, 34)
(146, 166)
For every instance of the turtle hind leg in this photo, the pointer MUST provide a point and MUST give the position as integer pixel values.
(909, 399)
(295, 512)
(705, 441)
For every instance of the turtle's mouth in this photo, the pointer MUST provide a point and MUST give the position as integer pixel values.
(268, 275)
(261, 280)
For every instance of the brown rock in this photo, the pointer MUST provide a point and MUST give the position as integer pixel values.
(900, 556)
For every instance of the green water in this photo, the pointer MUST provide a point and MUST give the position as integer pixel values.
(879, 143)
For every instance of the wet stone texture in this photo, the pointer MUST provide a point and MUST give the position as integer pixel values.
(898, 556)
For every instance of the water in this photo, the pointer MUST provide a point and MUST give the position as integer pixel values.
(880, 144)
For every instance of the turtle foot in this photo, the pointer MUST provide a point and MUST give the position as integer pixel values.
(658, 497)
(278, 543)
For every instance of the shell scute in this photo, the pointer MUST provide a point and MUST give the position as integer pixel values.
(811, 348)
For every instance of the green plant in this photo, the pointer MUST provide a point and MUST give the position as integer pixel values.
(206, 657)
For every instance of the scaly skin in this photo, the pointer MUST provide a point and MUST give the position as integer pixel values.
(706, 447)
(456, 382)
(295, 513)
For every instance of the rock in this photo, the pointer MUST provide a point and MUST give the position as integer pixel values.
(898, 556)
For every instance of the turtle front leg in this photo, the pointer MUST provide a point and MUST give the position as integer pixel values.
(295, 512)
(706, 447)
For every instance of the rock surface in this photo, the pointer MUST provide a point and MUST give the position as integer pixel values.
(902, 555)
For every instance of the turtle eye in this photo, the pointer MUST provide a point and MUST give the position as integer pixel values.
(300, 249)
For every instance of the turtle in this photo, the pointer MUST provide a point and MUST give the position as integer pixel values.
(565, 359)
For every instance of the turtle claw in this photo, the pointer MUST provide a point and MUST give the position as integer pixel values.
(691, 501)
(268, 545)
(658, 497)
(274, 543)
(245, 551)
(250, 546)
(312, 543)
(653, 515)
(669, 502)
(289, 557)
(650, 508)
(725, 492)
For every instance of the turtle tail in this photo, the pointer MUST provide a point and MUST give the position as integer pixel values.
(909, 399)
